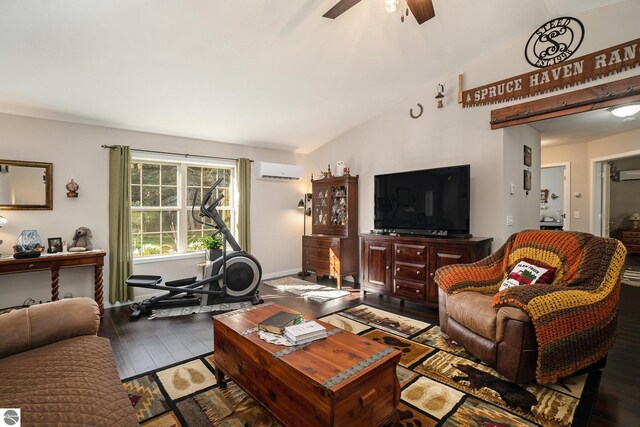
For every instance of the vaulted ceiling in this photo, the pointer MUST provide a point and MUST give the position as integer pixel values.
(270, 73)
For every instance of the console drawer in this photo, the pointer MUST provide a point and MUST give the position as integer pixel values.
(409, 290)
(318, 265)
(408, 271)
(322, 253)
(630, 234)
(410, 253)
(631, 242)
(320, 242)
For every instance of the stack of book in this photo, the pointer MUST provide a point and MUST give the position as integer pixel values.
(276, 323)
(305, 332)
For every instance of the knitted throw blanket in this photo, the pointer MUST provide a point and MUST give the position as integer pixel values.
(574, 317)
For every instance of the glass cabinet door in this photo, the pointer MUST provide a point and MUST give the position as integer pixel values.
(320, 205)
(339, 205)
(334, 206)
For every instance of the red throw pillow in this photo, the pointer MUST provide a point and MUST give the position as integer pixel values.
(548, 276)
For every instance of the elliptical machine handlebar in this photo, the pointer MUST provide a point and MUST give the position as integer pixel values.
(204, 210)
(207, 196)
(211, 213)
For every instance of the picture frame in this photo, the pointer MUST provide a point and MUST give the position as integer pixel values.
(527, 155)
(527, 180)
(544, 196)
(55, 245)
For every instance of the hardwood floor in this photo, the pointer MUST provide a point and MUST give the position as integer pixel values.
(146, 345)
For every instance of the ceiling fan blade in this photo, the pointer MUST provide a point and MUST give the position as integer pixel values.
(422, 10)
(339, 8)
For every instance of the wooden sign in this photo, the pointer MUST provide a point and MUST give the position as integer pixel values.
(566, 74)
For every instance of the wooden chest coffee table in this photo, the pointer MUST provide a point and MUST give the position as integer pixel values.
(341, 380)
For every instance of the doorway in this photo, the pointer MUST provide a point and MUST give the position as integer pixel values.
(555, 196)
(614, 200)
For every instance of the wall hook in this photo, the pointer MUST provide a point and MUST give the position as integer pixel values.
(416, 115)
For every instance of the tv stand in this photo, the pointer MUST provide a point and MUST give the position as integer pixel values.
(404, 266)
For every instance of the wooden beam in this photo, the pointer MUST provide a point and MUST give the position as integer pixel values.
(592, 98)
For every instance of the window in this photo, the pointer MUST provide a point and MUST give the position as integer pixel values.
(161, 196)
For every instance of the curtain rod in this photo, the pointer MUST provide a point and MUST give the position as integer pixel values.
(175, 154)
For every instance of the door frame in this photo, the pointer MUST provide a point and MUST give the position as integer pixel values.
(566, 203)
(595, 192)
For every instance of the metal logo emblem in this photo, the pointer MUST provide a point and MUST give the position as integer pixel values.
(554, 42)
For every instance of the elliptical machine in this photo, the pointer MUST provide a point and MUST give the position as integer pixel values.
(233, 277)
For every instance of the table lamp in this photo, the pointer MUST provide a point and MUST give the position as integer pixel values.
(635, 220)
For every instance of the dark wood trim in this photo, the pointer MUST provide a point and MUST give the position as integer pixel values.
(592, 98)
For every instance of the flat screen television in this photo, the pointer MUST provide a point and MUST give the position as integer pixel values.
(428, 202)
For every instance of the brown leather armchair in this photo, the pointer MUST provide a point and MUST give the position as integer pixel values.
(538, 332)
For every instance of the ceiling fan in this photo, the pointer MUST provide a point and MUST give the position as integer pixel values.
(422, 10)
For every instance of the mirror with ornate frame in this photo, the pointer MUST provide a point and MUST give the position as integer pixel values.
(26, 185)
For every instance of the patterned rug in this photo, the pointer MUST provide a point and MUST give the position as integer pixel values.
(631, 276)
(309, 290)
(441, 385)
(186, 394)
(194, 309)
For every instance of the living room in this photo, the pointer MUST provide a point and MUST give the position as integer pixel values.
(279, 84)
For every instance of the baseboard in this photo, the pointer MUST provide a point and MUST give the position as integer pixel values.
(280, 274)
(139, 298)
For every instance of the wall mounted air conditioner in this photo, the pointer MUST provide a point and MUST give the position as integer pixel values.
(630, 175)
(279, 172)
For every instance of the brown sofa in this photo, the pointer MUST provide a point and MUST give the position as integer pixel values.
(57, 370)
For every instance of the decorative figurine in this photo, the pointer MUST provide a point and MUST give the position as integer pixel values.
(72, 188)
(81, 240)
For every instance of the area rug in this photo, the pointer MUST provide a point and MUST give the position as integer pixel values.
(184, 311)
(186, 394)
(309, 290)
(441, 384)
(631, 276)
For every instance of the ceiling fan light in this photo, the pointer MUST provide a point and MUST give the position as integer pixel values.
(391, 5)
(625, 110)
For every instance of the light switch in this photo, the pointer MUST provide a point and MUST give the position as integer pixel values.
(509, 219)
(512, 189)
(576, 214)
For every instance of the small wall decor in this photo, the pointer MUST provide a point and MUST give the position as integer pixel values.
(72, 188)
(527, 155)
(440, 95)
(417, 115)
(527, 181)
(55, 245)
(554, 42)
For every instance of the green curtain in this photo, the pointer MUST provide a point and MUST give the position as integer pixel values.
(120, 248)
(243, 168)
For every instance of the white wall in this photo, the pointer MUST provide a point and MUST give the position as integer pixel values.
(552, 179)
(625, 196)
(523, 206)
(393, 141)
(75, 153)
(581, 156)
